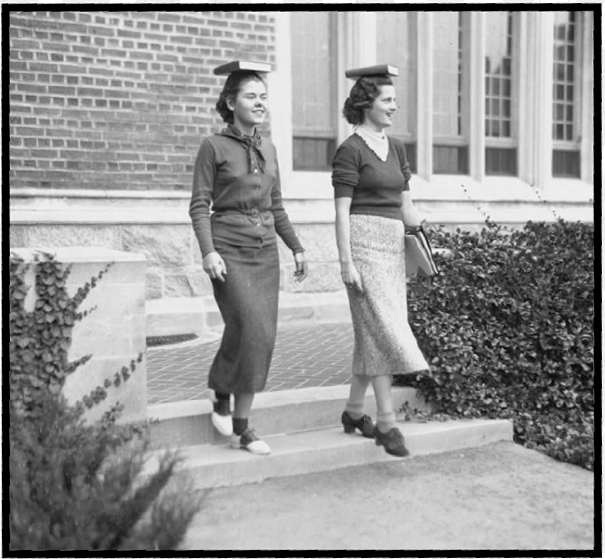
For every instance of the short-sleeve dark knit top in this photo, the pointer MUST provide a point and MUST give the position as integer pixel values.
(374, 186)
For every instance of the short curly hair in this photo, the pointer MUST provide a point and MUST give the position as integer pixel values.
(362, 97)
(232, 87)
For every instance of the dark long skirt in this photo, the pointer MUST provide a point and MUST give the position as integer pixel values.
(248, 302)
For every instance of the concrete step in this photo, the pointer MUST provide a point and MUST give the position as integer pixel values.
(188, 423)
(200, 315)
(213, 465)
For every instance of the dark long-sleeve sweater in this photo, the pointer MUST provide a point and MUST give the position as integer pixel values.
(246, 202)
(374, 186)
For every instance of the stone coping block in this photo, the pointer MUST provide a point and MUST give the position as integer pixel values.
(113, 332)
(312, 190)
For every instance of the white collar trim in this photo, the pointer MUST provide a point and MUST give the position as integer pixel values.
(376, 141)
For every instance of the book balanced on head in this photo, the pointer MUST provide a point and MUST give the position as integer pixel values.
(372, 71)
(240, 65)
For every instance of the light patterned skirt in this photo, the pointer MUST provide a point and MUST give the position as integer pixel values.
(384, 342)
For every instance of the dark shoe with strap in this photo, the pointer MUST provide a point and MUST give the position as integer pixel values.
(392, 441)
(364, 424)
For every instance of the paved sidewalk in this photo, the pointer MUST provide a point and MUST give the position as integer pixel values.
(496, 497)
(305, 356)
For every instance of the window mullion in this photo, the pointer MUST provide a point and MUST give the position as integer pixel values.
(477, 96)
(424, 130)
(343, 39)
(526, 99)
(542, 81)
(280, 96)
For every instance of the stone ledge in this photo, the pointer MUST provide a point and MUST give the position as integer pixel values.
(200, 315)
(508, 200)
(79, 254)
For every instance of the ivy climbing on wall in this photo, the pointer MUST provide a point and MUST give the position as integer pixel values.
(40, 338)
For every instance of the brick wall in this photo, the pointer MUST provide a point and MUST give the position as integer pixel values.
(120, 100)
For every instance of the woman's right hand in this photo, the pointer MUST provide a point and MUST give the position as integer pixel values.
(214, 266)
(351, 278)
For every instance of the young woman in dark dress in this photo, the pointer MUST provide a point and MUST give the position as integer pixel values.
(237, 213)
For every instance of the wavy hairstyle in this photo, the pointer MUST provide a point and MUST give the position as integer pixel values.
(362, 97)
(232, 87)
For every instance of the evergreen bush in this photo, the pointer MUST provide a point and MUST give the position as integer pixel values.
(508, 328)
(76, 485)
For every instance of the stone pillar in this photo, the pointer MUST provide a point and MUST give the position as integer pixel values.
(476, 42)
(424, 129)
(113, 333)
(280, 99)
(540, 47)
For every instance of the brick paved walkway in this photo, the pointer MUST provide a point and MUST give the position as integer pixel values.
(305, 356)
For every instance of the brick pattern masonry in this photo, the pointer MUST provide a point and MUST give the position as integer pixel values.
(305, 357)
(120, 100)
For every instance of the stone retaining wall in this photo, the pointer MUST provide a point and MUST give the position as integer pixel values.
(174, 264)
(159, 228)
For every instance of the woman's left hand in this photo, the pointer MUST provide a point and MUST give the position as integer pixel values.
(301, 267)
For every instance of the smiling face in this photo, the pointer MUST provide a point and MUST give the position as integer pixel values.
(380, 115)
(249, 106)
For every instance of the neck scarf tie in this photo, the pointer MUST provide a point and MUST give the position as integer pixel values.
(250, 143)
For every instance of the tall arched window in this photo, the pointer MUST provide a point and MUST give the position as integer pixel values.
(501, 97)
(397, 45)
(450, 92)
(566, 95)
(314, 111)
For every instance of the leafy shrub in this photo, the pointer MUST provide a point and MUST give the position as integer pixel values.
(508, 327)
(79, 486)
(75, 485)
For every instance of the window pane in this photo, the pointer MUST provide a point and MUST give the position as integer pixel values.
(566, 164)
(564, 95)
(450, 95)
(314, 111)
(313, 154)
(498, 64)
(450, 159)
(447, 74)
(397, 46)
(501, 161)
(410, 149)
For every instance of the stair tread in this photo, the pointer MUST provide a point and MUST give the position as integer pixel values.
(184, 424)
(328, 448)
(317, 440)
